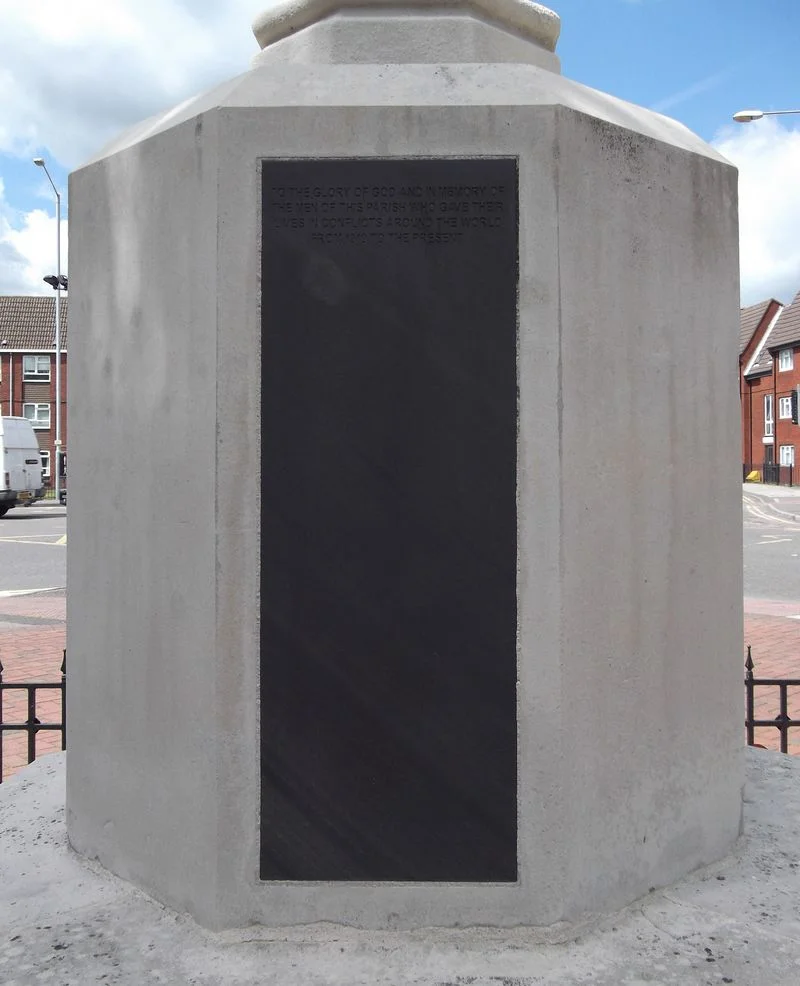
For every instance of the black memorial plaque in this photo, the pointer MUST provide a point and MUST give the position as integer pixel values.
(388, 520)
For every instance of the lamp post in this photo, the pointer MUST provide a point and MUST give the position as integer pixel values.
(747, 116)
(40, 163)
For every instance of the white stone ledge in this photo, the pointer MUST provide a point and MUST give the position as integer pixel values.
(532, 21)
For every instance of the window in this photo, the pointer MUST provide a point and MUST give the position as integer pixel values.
(45, 454)
(36, 368)
(787, 455)
(785, 407)
(37, 414)
(769, 421)
(785, 359)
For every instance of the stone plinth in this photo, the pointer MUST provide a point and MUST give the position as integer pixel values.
(256, 404)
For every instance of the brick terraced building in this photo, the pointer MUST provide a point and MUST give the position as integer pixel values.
(769, 378)
(27, 368)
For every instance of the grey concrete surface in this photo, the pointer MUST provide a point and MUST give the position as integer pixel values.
(772, 546)
(779, 500)
(33, 549)
(627, 243)
(65, 920)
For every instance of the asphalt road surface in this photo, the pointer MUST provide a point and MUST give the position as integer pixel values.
(771, 550)
(33, 551)
(33, 548)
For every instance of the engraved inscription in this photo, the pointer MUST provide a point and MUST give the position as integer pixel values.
(375, 215)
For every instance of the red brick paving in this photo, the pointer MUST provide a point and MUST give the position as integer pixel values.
(775, 648)
(32, 651)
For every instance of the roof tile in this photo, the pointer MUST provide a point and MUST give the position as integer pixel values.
(28, 321)
(749, 320)
(762, 365)
(787, 328)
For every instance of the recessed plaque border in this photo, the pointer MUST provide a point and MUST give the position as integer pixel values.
(261, 161)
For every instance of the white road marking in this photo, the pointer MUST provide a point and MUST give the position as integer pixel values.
(21, 536)
(7, 593)
(757, 511)
(775, 539)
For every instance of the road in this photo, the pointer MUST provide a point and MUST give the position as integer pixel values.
(771, 548)
(33, 546)
(33, 549)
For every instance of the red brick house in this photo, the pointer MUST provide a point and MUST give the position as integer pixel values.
(27, 368)
(769, 374)
(757, 323)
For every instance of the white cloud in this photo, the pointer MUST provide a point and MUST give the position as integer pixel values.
(684, 95)
(28, 249)
(767, 154)
(73, 75)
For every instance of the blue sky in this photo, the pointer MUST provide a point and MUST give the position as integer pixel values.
(69, 83)
(696, 60)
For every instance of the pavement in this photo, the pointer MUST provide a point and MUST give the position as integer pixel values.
(65, 921)
(33, 637)
(781, 501)
(772, 627)
(32, 641)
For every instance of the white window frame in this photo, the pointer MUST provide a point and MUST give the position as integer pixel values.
(36, 375)
(769, 419)
(45, 454)
(37, 419)
(786, 455)
(784, 407)
(786, 359)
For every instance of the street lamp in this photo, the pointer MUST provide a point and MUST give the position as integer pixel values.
(747, 116)
(40, 163)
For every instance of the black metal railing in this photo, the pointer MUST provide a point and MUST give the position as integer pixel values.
(32, 725)
(783, 722)
(769, 472)
(50, 491)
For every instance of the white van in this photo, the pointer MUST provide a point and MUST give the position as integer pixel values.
(20, 464)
